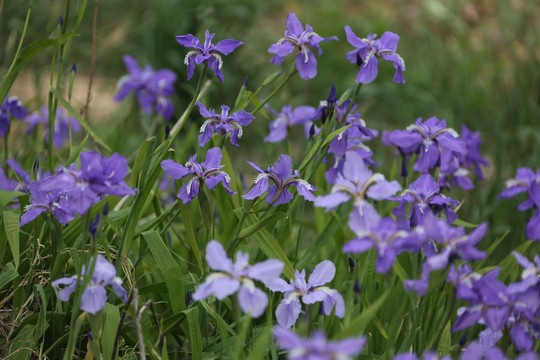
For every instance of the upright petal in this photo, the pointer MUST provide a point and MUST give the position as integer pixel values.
(212, 159)
(294, 26)
(283, 167)
(217, 258)
(324, 272)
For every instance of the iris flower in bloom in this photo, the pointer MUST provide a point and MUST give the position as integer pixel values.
(11, 106)
(288, 118)
(370, 50)
(526, 181)
(311, 292)
(239, 276)
(424, 196)
(318, 347)
(54, 201)
(428, 140)
(297, 38)
(223, 123)
(208, 172)
(61, 125)
(281, 174)
(357, 182)
(152, 88)
(94, 296)
(207, 52)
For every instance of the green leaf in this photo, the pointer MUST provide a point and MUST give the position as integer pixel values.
(359, 324)
(459, 222)
(79, 118)
(144, 155)
(112, 319)
(8, 274)
(271, 219)
(195, 338)
(169, 268)
(22, 345)
(75, 152)
(445, 341)
(26, 55)
(11, 226)
(190, 234)
(7, 196)
(333, 134)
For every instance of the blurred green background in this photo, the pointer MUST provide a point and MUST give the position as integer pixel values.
(469, 62)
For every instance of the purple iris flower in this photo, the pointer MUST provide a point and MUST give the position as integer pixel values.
(452, 174)
(152, 88)
(11, 107)
(311, 292)
(447, 243)
(208, 172)
(475, 351)
(318, 347)
(473, 157)
(281, 175)
(463, 279)
(94, 296)
(223, 123)
(296, 37)
(98, 176)
(43, 198)
(357, 182)
(287, 118)
(428, 140)
(370, 50)
(6, 183)
(388, 236)
(239, 276)
(206, 53)
(530, 276)
(526, 180)
(424, 196)
(61, 125)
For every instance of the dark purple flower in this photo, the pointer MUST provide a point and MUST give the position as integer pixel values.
(94, 296)
(151, 88)
(526, 180)
(287, 118)
(388, 236)
(208, 172)
(61, 125)
(281, 175)
(318, 347)
(206, 53)
(475, 351)
(428, 140)
(296, 37)
(358, 183)
(473, 158)
(424, 196)
(223, 123)
(452, 174)
(11, 107)
(239, 276)
(43, 198)
(370, 50)
(311, 292)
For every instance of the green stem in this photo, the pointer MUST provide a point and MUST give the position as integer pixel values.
(19, 47)
(291, 73)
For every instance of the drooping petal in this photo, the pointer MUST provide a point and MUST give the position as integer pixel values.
(227, 46)
(332, 200)
(266, 271)
(174, 170)
(287, 312)
(368, 72)
(334, 299)
(93, 299)
(65, 293)
(383, 189)
(306, 64)
(358, 245)
(252, 300)
(30, 215)
(260, 187)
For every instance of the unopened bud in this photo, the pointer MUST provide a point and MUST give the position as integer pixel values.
(105, 211)
(245, 82)
(167, 131)
(61, 20)
(189, 299)
(352, 264)
(356, 287)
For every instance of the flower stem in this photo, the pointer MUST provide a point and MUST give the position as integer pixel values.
(291, 73)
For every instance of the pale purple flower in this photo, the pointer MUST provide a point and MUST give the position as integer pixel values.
(94, 296)
(207, 52)
(43, 198)
(98, 176)
(152, 88)
(526, 181)
(223, 123)
(281, 175)
(473, 157)
(424, 196)
(296, 37)
(11, 107)
(530, 276)
(208, 172)
(61, 125)
(318, 347)
(357, 182)
(311, 292)
(428, 139)
(388, 236)
(474, 351)
(237, 277)
(369, 51)
(286, 119)
(6, 183)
